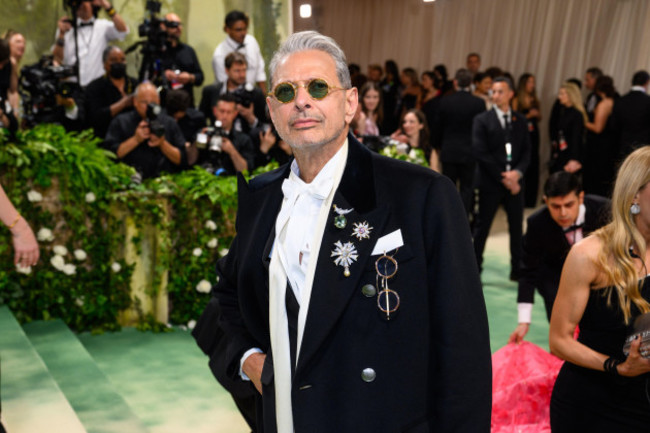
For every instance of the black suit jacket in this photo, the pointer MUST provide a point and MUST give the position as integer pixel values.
(545, 248)
(488, 144)
(452, 130)
(432, 359)
(631, 117)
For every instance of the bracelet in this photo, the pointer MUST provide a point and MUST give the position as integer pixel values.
(610, 365)
(111, 11)
(60, 42)
(15, 222)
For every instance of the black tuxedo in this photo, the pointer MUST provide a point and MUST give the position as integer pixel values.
(452, 135)
(488, 142)
(631, 117)
(432, 360)
(545, 248)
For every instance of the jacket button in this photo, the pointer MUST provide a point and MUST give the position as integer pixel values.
(368, 375)
(369, 290)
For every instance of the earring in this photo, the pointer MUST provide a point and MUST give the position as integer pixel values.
(635, 209)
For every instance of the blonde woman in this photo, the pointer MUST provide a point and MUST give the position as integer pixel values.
(604, 287)
(567, 131)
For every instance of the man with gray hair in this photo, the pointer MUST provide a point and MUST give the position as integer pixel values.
(350, 297)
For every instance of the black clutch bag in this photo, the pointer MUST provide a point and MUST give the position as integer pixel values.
(642, 329)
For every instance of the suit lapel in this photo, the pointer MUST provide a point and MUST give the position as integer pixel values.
(331, 291)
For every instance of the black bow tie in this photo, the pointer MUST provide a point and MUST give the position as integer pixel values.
(86, 24)
(573, 228)
(240, 46)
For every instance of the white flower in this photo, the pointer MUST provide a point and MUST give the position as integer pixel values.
(80, 255)
(212, 243)
(413, 154)
(60, 250)
(191, 324)
(210, 225)
(58, 262)
(197, 252)
(69, 269)
(116, 267)
(204, 286)
(45, 235)
(223, 252)
(90, 197)
(34, 196)
(79, 302)
(23, 270)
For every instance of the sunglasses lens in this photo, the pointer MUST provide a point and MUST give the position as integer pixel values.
(318, 89)
(285, 93)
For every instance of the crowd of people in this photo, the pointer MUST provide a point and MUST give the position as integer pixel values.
(476, 128)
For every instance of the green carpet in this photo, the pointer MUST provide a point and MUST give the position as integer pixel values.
(31, 400)
(166, 381)
(99, 407)
(501, 301)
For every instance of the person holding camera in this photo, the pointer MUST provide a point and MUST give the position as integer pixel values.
(145, 139)
(110, 94)
(251, 104)
(233, 152)
(179, 62)
(239, 41)
(93, 35)
(190, 120)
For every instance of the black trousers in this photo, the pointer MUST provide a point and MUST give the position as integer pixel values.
(488, 203)
(462, 175)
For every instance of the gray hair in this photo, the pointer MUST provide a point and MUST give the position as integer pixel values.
(108, 50)
(311, 40)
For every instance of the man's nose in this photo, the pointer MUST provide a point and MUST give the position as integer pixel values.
(303, 99)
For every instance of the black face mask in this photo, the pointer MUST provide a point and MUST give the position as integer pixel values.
(117, 70)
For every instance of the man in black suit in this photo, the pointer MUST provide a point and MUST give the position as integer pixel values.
(631, 116)
(452, 135)
(568, 217)
(350, 297)
(501, 146)
(251, 105)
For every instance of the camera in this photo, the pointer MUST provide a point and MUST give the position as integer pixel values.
(153, 45)
(155, 126)
(211, 138)
(40, 83)
(244, 95)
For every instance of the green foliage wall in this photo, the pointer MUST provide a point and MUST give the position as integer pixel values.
(76, 199)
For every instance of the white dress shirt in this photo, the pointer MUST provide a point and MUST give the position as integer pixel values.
(255, 72)
(92, 42)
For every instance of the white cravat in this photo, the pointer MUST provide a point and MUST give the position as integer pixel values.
(291, 238)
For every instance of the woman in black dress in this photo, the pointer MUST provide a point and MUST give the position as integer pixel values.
(527, 103)
(567, 131)
(601, 143)
(604, 287)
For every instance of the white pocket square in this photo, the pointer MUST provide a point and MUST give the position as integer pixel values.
(388, 242)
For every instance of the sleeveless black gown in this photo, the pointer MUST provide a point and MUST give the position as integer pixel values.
(586, 400)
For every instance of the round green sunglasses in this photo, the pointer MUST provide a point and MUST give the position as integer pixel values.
(317, 89)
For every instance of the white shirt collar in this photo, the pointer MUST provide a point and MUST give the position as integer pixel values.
(639, 89)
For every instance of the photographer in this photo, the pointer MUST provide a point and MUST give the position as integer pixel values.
(239, 41)
(93, 36)
(251, 104)
(7, 118)
(111, 94)
(234, 152)
(190, 120)
(151, 143)
(179, 62)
